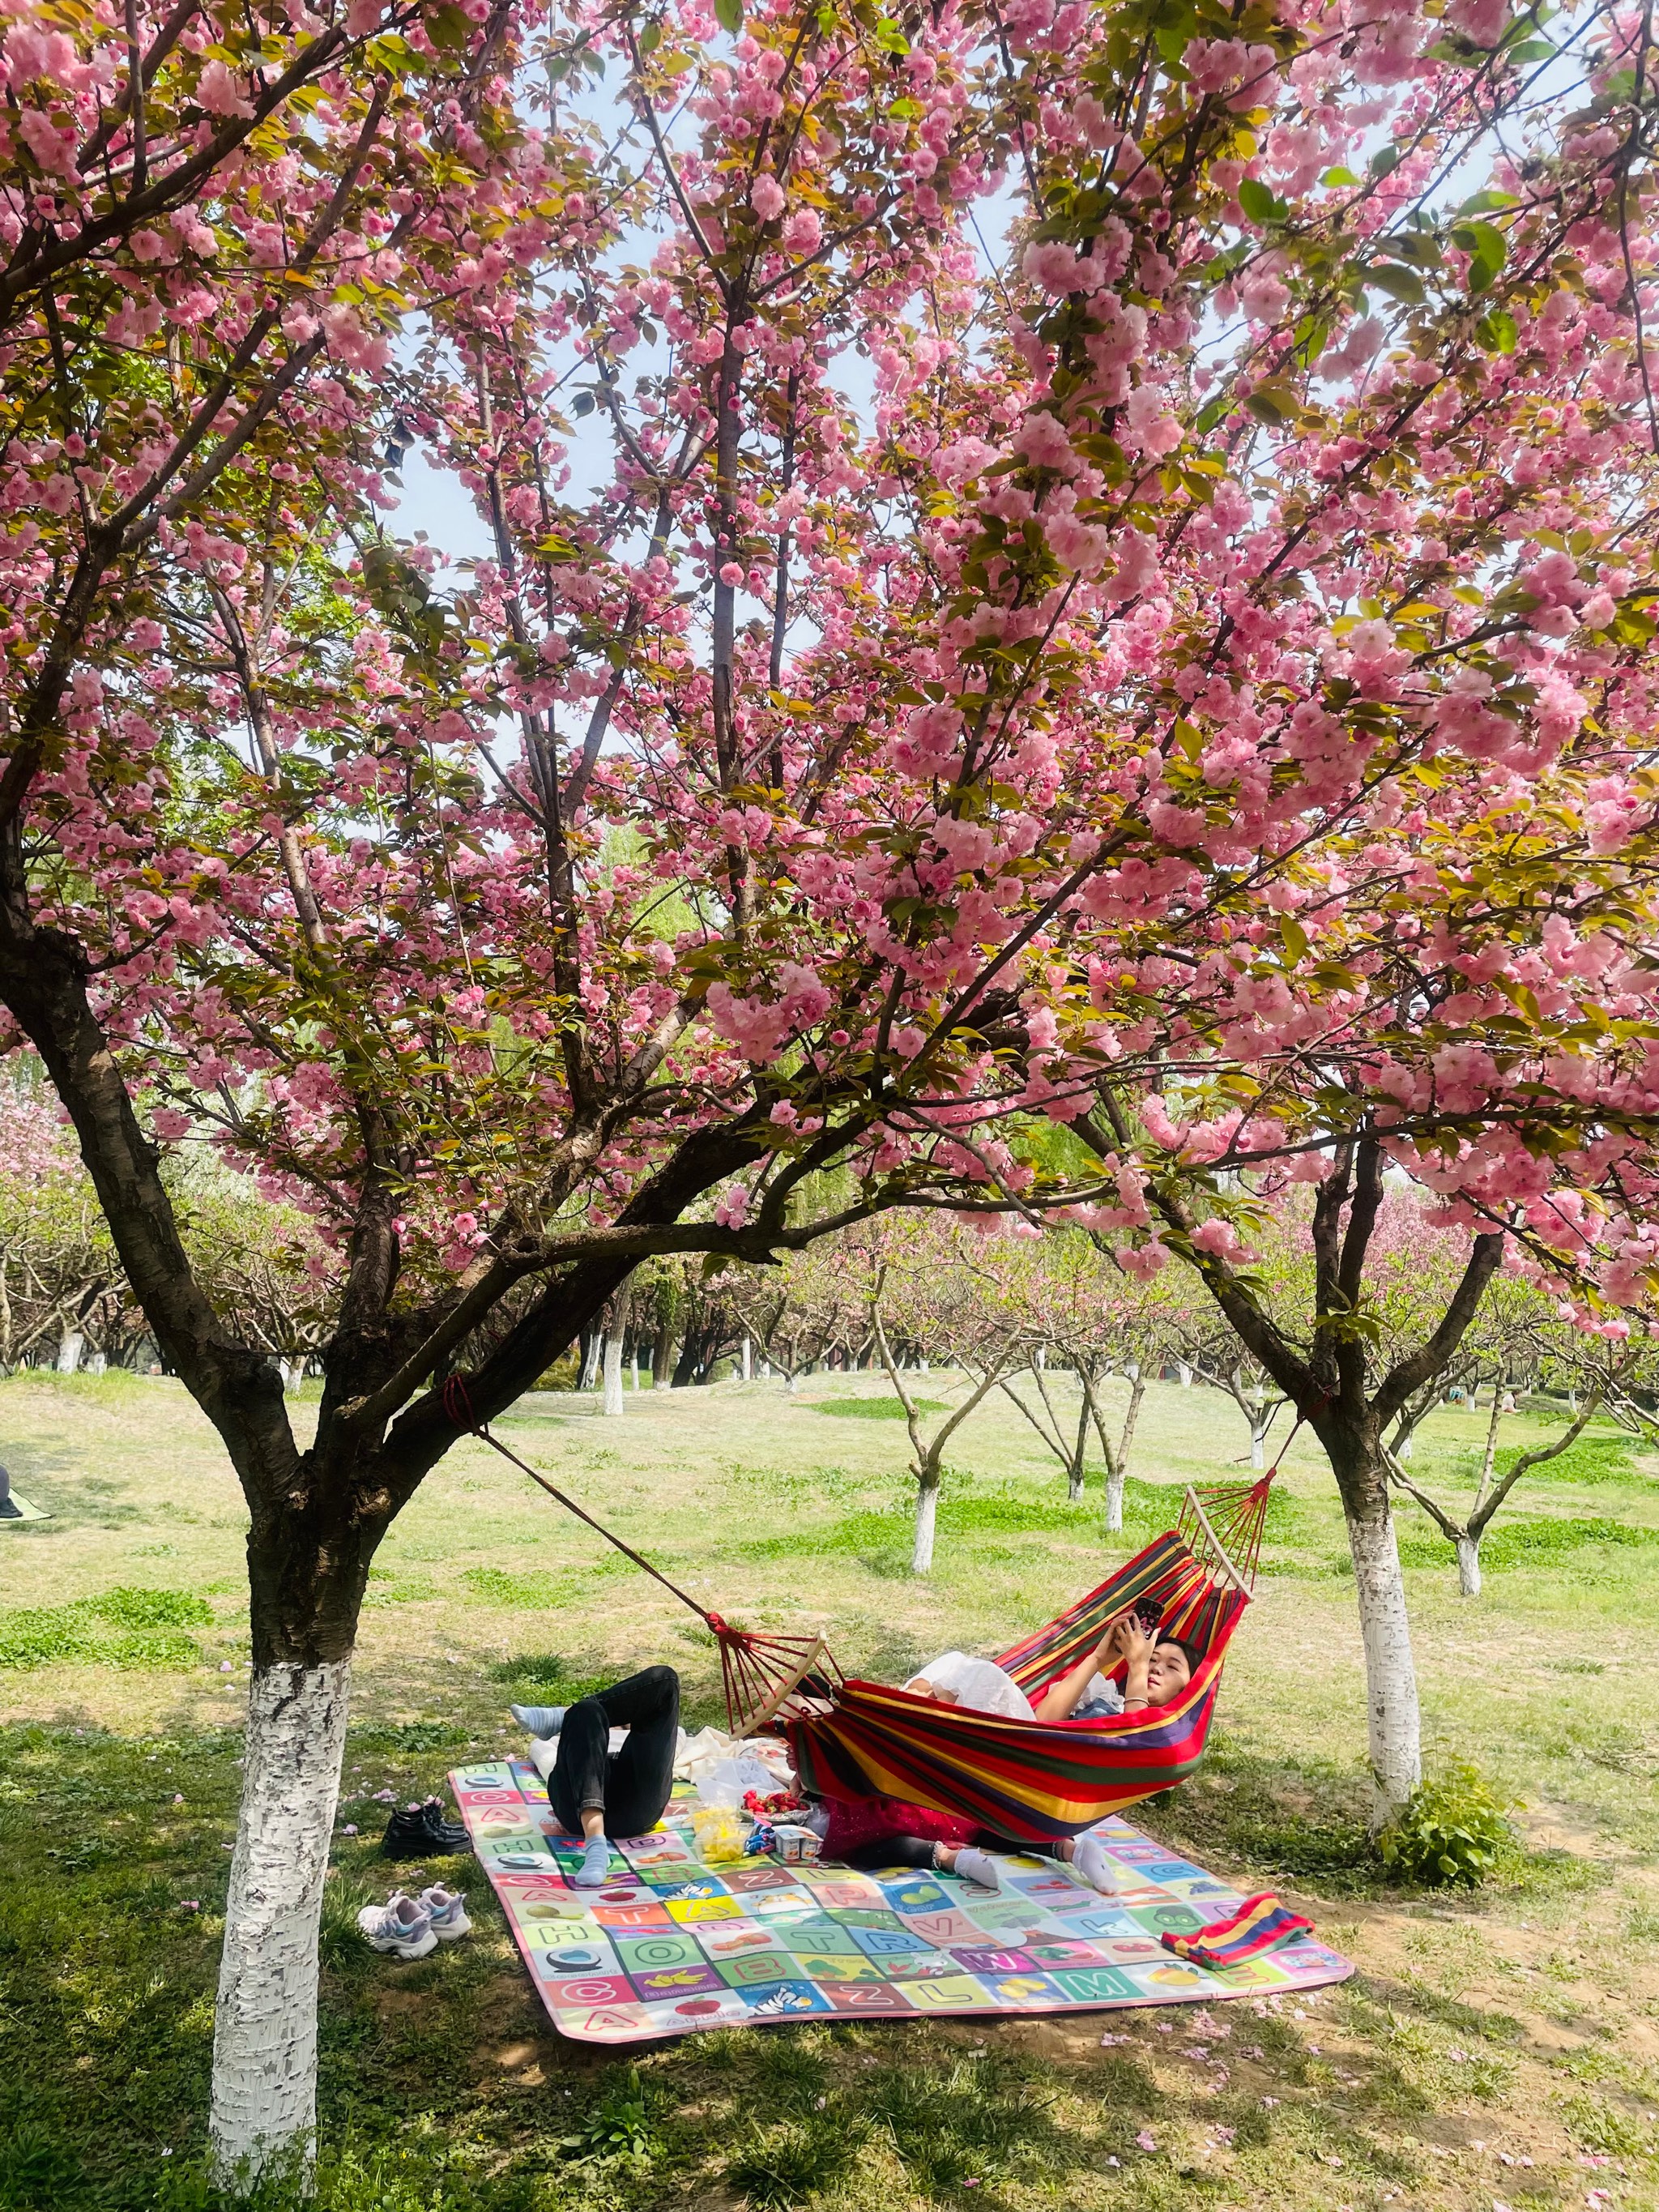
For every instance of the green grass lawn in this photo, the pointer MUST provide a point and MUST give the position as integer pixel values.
(1497, 2049)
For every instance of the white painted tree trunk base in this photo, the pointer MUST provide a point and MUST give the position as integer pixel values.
(1394, 1725)
(611, 1404)
(264, 2039)
(921, 1558)
(1114, 1501)
(69, 1348)
(1468, 1567)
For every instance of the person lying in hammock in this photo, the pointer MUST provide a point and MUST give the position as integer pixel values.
(878, 1831)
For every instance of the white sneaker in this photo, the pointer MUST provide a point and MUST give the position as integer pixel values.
(400, 1926)
(446, 1910)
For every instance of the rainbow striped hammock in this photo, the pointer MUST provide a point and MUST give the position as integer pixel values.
(1035, 1780)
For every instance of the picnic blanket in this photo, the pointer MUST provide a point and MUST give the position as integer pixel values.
(671, 1944)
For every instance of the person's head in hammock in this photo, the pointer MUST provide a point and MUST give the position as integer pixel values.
(1156, 1669)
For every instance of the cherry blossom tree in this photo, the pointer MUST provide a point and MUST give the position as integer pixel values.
(952, 1307)
(1189, 683)
(1605, 1370)
(1078, 1303)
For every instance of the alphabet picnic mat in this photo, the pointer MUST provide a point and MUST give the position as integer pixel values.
(671, 1944)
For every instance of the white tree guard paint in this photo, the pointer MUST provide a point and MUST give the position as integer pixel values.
(264, 2039)
(1468, 1567)
(921, 1558)
(612, 1403)
(1113, 1499)
(70, 1345)
(1258, 1446)
(1393, 1724)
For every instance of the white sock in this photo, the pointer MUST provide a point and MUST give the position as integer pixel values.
(977, 1866)
(595, 1869)
(1092, 1862)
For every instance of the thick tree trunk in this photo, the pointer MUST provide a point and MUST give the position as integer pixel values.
(265, 2044)
(921, 1556)
(1468, 1567)
(1394, 1727)
(748, 1360)
(70, 1345)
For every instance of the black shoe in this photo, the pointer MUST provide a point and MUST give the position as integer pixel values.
(423, 1832)
(9, 1510)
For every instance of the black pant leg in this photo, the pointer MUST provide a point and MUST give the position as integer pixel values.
(642, 1777)
(890, 1851)
(581, 1765)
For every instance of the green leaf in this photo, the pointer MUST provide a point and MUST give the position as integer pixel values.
(1273, 403)
(728, 14)
(1400, 283)
(1496, 330)
(1334, 177)
(1260, 203)
(1294, 936)
(1210, 413)
(650, 38)
(1486, 203)
(1384, 161)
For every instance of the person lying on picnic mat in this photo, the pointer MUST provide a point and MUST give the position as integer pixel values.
(878, 1831)
(597, 1793)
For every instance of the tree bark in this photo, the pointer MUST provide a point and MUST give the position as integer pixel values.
(70, 1347)
(1114, 1498)
(265, 2044)
(1132, 1414)
(1393, 1724)
(1468, 1565)
(921, 1554)
(611, 1405)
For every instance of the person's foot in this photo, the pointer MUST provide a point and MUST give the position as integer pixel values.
(539, 1721)
(594, 1871)
(419, 1831)
(399, 1927)
(977, 1866)
(446, 1910)
(1095, 1865)
(10, 1509)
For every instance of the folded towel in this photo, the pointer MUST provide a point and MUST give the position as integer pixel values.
(1260, 1923)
